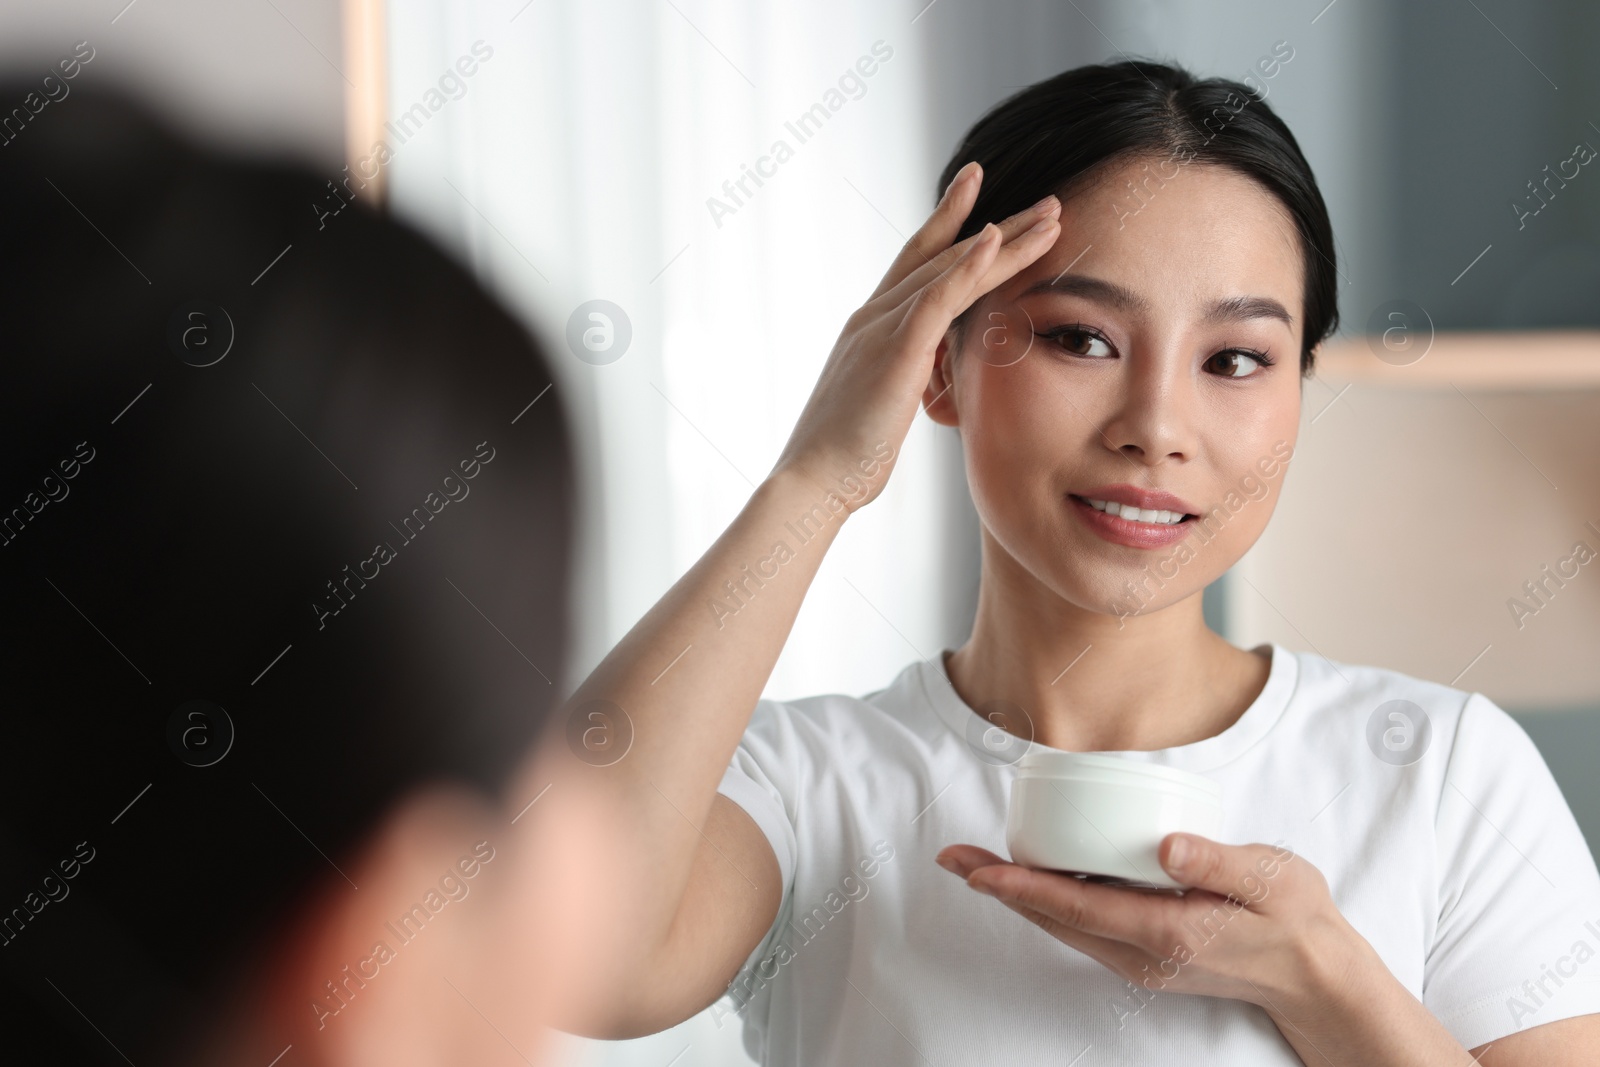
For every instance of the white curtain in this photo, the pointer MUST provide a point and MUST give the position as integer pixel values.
(575, 164)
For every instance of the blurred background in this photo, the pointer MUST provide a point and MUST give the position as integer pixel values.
(586, 160)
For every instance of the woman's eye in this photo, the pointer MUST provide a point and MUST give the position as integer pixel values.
(1236, 364)
(1079, 342)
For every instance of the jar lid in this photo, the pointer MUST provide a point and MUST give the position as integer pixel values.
(1039, 762)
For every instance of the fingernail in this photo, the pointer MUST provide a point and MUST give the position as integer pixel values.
(985, 888)
(961, 176)
(1177, 854)
(1042, 224)
(948, 864)
(1049, 199)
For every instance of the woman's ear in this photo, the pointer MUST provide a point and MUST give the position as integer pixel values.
(939, 399)
(1311, 362)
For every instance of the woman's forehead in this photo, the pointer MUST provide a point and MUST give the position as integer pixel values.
(1174, 234)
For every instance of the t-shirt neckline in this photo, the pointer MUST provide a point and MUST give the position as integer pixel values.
(1205, 754)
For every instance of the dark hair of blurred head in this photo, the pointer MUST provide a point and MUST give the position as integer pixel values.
(347, 531)
(1062, 131)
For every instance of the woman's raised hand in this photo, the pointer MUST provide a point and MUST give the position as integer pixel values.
(869, 389)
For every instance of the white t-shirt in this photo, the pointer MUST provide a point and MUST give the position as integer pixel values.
(1465, 870)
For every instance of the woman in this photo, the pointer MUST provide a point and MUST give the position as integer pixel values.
(1123, 360)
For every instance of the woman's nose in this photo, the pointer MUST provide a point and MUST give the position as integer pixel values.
(1151, 417)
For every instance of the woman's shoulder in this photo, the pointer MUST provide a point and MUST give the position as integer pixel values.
(1401, 714)
(839, 717)
(1323, 678)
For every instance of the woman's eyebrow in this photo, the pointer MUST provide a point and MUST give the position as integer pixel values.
(1229, 309)
(1239, 308)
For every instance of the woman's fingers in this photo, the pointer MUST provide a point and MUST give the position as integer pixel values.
(869, 388)
(1119, 957)
(1010, 229)
(939, 230)
(927, 313)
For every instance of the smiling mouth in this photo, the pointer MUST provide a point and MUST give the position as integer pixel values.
(1133, 514)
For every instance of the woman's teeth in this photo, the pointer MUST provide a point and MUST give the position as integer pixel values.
(1160, 518)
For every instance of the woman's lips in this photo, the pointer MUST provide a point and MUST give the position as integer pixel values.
(1129, 532)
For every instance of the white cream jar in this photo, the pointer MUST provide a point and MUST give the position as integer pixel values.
(1103, 816)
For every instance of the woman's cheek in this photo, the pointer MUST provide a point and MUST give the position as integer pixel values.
(1019, 435)
(1009, 420)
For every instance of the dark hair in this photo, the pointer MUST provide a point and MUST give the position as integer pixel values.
(173, 532)
(1053, 134)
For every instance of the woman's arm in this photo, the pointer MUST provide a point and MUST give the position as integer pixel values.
(1365, 1016)
(1358, 1013)
(1572, 1042)
(686, 677)
(1275, 939)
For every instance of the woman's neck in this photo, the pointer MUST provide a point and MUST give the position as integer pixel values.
(1092, 681)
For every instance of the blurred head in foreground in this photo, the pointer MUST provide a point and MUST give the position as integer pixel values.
(284, 544)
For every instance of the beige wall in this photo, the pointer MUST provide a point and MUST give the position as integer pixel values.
(1406, 523)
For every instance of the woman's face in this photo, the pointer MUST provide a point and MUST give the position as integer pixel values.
(1121, 359)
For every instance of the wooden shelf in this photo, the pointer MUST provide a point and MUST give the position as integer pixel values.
(1483, 361)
